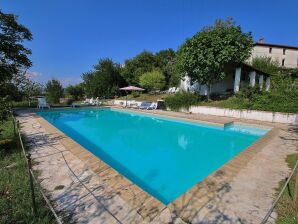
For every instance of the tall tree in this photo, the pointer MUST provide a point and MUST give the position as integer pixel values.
(13, 55)
(154, 80)
(75, 91)
(104, 81)
(135, 67)
(54, 91)
(165, 60)
(207, 56)
(30, 88)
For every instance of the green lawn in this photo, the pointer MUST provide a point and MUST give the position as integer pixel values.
(15, 197)
(287, 209)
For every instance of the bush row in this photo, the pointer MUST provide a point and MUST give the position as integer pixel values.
(181, 100)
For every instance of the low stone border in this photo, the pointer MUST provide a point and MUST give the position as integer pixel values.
(278, 117)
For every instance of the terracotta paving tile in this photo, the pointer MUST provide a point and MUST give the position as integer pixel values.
(150, 209)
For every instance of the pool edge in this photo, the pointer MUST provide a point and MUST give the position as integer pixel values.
(196, 195)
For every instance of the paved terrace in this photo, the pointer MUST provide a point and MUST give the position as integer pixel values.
(90, 191)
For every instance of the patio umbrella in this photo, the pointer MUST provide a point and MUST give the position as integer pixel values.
(131, 88)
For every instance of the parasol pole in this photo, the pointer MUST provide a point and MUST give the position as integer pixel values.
(126, 99)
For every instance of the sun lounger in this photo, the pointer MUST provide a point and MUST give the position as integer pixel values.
(145, 105)
(153, 106)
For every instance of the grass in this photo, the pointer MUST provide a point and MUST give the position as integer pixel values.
(15, 195)
(144, 97)
(24, 104)
(286, 208)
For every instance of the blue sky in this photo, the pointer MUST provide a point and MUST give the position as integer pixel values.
(70, 36)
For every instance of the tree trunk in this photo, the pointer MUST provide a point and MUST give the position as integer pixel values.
(208, 91)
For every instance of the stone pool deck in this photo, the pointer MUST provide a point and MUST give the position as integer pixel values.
(90, 191)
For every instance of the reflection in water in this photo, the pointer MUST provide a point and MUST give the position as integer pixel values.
(155, 153)
(152, 175)
(182, 141)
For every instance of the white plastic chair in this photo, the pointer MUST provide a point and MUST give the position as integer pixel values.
(42, 103)
(170, 90)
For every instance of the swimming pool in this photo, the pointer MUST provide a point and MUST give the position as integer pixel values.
(163, 156)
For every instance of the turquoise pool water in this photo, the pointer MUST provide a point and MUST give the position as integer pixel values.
(164, 156)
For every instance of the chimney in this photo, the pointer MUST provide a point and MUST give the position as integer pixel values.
(261, 40)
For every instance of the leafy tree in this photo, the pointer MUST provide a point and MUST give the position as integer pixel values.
(104, 81)
(165, 60)
(135, 67)
(154, 80)
(75, 91)
(54, 91)
(207, 56)
(31, 88)
(13, 55)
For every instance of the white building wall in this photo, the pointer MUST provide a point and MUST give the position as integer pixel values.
(219, 87)
(290, 56)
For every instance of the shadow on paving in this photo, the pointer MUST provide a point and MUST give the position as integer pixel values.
(82, 197)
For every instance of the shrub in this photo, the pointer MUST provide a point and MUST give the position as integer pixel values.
(266, 64)
(54, 91)
(181, 100)
(276, 100)
(135, 94)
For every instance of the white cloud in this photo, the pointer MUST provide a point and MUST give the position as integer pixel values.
(33, 74)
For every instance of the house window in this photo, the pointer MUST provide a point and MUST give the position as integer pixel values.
(283, 62)
(270, 50)
(284, 51)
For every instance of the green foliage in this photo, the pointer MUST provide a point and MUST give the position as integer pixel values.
(154, 80)
(25, 104)
(75, 92)
(146, 61)
(181, 100)
(208, 55)
(287, 208)
(145, 97)
(266, 64)
(15, 195)
(165, 61)
(135, 67)
(54, 91)
(4, 109)
(13, 57)
(104, 81)
(281, 99)
(29, 88)
(135, 94)
(290, 72)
